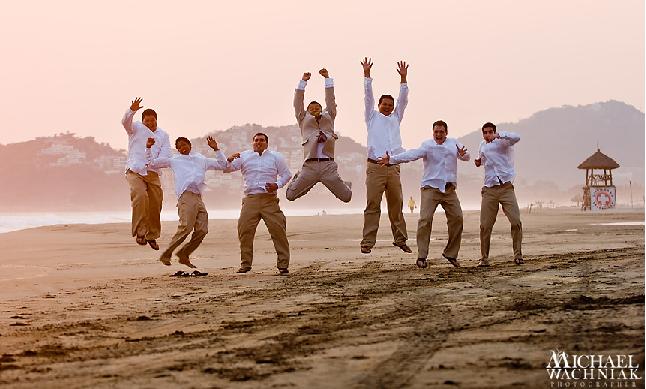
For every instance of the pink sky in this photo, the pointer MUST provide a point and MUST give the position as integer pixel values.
(75, 65)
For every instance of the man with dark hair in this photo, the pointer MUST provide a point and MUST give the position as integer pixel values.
(439, 183)
(318, 138)
(384, 138)
(146, 194)
(263, 172)
(496, 154)
(189, 169)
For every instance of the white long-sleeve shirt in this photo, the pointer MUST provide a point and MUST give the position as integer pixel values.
(189, 170)
(329, 83)
(138, 135)
(440, 161)
(498, 158)
(258, 170)
(383, 131)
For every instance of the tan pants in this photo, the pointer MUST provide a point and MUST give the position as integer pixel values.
(192, 217)
(314, 172)
(380, 179)
(262, 206)
(431, 198)
(505, 196)
(146, 198)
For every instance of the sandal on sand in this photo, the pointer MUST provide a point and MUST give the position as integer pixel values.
(518, 261)
(198, 273)
(421, 263)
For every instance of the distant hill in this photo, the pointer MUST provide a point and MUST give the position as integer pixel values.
(65, 172)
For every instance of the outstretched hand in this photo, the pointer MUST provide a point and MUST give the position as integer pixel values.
(150, 143)
(402, 69)
(233, 156)
(212, 143)
(306, 76)
(367, 65)
(461, 151)
(135, 106)
(271, 187)
(323, 72)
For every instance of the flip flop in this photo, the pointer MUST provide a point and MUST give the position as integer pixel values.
(198, 273)
(180, 273)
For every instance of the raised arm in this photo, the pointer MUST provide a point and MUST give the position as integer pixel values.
(155, 163)
(299, 98)
(330, 103)
(402, 99)
(511, 137)
(126, 121)
(220, 160)
(369, 99)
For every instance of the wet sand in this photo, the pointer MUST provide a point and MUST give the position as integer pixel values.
(84, 306)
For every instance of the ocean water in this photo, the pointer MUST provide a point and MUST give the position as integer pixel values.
(19, 221)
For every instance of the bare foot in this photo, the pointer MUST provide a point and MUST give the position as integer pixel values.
(187, 262)
(165, 261)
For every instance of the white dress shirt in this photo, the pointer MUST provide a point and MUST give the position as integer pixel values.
(498, 158)
(383, 131)
(138, 135)
(440, 161)
(329, 83)
(258, 170)
(189, 170)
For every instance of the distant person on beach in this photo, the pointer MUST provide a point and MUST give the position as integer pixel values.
(263, 172)
(189, 169)
(318, 138)
(146, 193)
(411, 204)
(439, 182)
(384, 138)
(496, 154)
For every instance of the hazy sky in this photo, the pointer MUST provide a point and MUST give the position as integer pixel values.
(203, 65)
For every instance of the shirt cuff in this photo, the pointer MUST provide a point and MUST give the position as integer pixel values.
(301, 85)
(329, 82)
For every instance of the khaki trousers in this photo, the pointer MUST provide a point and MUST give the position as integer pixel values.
(146, 198)
(314, 172)
(380, 179)
(262, 206)
(192, 217)
(431, 198)
(505, 196)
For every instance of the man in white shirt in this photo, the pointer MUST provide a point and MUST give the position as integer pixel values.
(496, 154)
(263, 172)
(384, 138)
(146, 194)
(189, 169)
(318, 138)
(439, 181)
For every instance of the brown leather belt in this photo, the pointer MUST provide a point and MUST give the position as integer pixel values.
(319, 159)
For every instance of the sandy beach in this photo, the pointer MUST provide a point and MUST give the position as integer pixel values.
(84, 306)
